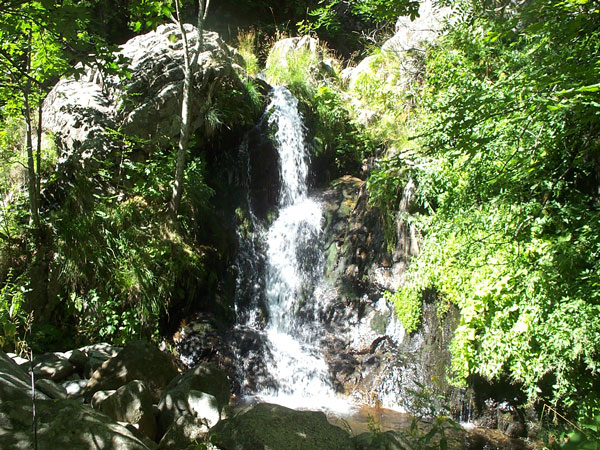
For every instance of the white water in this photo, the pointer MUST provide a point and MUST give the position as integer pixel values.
(298, 367)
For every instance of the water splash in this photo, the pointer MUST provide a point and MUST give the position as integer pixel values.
(292, 265)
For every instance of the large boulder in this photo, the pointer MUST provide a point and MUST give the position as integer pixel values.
(96, 354)
(266, 426)
(52, 366)
(202, 392)
(183, 433)
(131, 403)
(139, 360)
(88, 116)
(51, 389)
(62, 424)
(416, 34)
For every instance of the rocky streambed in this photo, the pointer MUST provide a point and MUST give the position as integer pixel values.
(105, 397)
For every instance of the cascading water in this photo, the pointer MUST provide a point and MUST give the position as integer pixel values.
(300, 373)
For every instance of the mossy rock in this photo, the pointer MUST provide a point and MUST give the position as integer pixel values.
(267, 426)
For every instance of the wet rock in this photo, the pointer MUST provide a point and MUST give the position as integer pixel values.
(51, 389)
(131, 403)
(134, 363)
(197, 341)
(202, 392)
(266, 426)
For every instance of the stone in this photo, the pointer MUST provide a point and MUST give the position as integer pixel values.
(416, 34)
(183, 432)
(15, 383)
(74, 387)
(52, 366)
(63, 424)
(139, 360)
(131, 403)
(203, 392)
(96, 355)
(81, 113)
(99, 397)
(17, 359)
(51, 389)
(76, 357)
(268, 426)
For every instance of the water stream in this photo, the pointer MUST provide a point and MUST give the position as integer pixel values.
(293, 260)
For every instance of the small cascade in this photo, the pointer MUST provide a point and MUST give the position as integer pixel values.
(299, 373)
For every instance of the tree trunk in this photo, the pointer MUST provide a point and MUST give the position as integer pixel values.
(184, 131)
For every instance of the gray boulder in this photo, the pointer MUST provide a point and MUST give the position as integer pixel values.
(416, 34)
(52, 366)
(202, 392)
(139, 360)
(74, 387)
(62, 424)
(76, 357)
(15, 383)
(183, 433)
(267, 426)
(20, 361)
(51, 389)
(96, 354)
(131, 403)
(82, 114)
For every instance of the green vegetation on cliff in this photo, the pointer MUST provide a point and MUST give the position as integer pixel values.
(506, 164)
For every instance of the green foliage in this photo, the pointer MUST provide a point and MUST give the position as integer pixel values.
(327, 17)
(297, 69)
(121, 256)
(247, 48)
(507, 173)
(337, 137)
(431, 426)
(387, 86)
(407, 304)
(14, 322)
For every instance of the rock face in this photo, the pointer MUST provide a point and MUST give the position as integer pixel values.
(88, 116)
(266, 426)
(133, 363)
(416, 34)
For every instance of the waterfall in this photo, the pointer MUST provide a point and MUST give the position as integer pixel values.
(299, 371)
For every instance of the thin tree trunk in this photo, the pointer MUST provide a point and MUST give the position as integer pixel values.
(32, 182)
(184, 131)
(38, 155)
